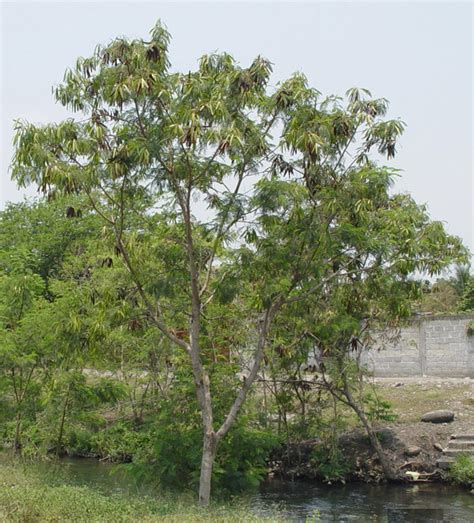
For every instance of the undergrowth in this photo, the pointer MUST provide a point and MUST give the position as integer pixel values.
(24, 497)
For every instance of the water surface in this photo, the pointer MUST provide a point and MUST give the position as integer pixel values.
(300, 501)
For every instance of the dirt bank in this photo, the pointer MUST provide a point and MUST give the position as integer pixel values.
(409, 444)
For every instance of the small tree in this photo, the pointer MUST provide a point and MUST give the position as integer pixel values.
(20, 348)
(274, 171)
(35, 239)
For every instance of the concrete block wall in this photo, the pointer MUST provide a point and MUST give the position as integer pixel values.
(428, 346)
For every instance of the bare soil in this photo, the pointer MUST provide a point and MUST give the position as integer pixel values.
(410, 399)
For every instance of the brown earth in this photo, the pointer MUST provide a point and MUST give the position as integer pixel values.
(410, 399)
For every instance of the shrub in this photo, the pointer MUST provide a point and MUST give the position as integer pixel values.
(470, 328)
(378, 409)
(330, 463)
(171, 455)
(462, 470)
(171, 452)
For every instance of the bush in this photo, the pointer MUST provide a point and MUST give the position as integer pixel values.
(172, 450)
(171, 455)
(120, 442)
(462, 470)
(470, 328)
(330, 463)
(378, 409)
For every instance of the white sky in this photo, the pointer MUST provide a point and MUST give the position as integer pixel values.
(418, 55)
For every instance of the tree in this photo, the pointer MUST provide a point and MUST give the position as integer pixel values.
(21, 349)
(35, 239)
(389, 239)
(279, 173)
(467, 302)
(460, 280)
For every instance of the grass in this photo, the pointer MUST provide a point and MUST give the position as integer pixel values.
(462, 470)
(411, 401)
(25, 498)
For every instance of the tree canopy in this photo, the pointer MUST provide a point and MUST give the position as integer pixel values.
(228, 205)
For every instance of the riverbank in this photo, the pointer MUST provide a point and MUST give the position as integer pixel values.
(410, 445)
(70, 490)
(26, 496)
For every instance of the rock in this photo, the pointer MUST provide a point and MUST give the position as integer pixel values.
(438, 446)
(438, 416)
(412, 451)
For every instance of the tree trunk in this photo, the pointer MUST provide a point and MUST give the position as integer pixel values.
(386, 467)
(61, 425)
(17, 440)
(208, 456)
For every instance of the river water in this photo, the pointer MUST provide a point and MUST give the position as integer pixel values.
(305, 502)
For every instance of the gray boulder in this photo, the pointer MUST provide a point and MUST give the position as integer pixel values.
(438, 416)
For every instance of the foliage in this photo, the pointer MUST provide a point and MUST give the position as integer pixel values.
(460, 280)
(172, 452)
(439, 298)
(120, 442)
(379, 409)
(331, 464)
(448, 296)
(470, 328)
(467, 302)
(24, 497)
(462, 470)
(327, 458)
(301, 248)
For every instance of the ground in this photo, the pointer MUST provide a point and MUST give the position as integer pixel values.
(410, 398)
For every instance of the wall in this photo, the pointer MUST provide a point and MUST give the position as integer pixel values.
(428, 346)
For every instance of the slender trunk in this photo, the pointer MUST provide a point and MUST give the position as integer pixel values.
(209, 446)
(386, 467)
(209, 449)
(265, 402)
(201, 377)
(17, 440)
(142, 402)
(334, 426)
(301, 398)
(20, 390)
(61, 425)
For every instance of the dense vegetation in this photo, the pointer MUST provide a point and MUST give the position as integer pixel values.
(202, 239)
(462, 470)
(26, 497)
(449, 295)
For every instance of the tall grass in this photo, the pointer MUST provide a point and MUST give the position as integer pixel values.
(25, 498)
(462, 470)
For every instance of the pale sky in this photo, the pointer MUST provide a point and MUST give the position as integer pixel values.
(418, 55)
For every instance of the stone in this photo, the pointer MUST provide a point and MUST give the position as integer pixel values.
(438, 416)
(438, 447)
(412, 451)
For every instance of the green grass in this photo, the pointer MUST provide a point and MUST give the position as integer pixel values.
(462, 470)
(25, 498)
(411, 401)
